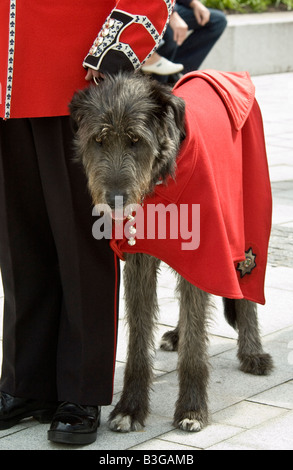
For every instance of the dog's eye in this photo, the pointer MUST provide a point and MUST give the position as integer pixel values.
(134, 140)
(98, 140)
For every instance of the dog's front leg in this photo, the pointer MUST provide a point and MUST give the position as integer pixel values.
(141, 308)
(191, 413)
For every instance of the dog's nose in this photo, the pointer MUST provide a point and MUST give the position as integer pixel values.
(116, 198)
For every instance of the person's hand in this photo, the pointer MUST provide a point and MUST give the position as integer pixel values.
(201, 13)
(179, 28)
(94, 75)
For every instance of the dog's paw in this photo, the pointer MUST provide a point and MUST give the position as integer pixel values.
(257, 364)
(193, 421)
(169, 341)
(124, 423)
(191, 425)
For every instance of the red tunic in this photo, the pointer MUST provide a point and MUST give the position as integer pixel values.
(222, 173)
(43, 45)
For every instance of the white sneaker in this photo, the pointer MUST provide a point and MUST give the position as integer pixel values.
(162, 67)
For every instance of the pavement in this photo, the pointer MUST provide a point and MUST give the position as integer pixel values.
(247, 412)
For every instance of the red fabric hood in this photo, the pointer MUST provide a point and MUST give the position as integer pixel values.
(235, 89)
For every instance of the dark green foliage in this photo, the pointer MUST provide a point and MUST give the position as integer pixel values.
(247, 6)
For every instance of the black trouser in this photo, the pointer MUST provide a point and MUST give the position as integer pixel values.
(60, 284)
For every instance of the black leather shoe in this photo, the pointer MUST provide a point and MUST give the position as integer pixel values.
(75, 424)
(13, 410)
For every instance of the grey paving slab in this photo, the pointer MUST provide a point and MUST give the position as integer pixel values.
(278, 155)
(211, 435)
(282, 214)
(229, 385)
(246, 414)
(277, 313)
(274, 434)
(163, 444)
(278, 396)
(280, 277)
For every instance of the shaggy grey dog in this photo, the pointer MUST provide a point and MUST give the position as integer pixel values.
(128, 133)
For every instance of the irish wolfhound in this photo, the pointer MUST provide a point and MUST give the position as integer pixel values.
(128, 133)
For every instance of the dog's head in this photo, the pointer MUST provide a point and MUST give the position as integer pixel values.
(128, 133)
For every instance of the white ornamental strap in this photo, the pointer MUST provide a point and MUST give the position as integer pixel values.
(109, 36)
(11, 47)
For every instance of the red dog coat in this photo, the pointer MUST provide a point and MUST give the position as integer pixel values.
(222, 178)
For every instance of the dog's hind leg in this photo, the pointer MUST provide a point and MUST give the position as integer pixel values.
(191, 413)
(241, 314)
(169, 340)
(140, 274)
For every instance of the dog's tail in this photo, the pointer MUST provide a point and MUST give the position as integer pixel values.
(230, 312)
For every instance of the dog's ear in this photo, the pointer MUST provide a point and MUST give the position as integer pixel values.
(77, 107)
(178, 106)
(166, 101)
